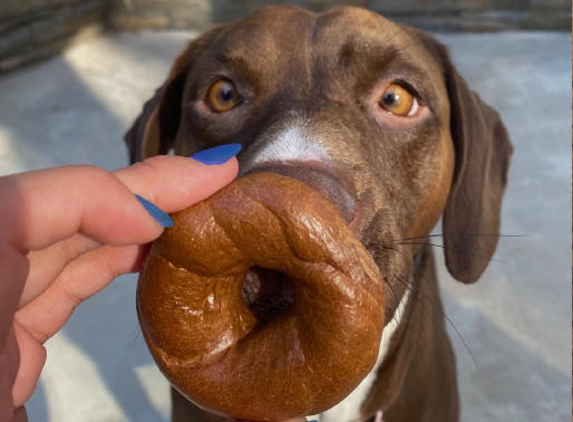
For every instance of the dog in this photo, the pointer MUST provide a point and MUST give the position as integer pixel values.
(375, 116)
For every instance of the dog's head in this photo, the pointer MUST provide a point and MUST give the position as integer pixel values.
(370, 113)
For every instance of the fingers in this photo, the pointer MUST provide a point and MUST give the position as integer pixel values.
(32, 360)
(47, 206)
(13, 272)
(183, 181)
(50, 205)
(81, 279)
(44, 316)
(100, 205)
(46, 264)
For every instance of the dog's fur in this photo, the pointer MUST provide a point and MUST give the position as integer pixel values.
(310, 87)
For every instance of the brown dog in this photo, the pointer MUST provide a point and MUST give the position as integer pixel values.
(375, 116)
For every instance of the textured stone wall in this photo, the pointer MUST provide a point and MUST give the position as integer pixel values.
(159, 14)
(34, 29)
(448, 15)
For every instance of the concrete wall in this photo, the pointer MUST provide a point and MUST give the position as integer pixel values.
(34, 29)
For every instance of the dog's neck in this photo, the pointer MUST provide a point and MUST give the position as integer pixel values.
(419, 364)
(415, 362)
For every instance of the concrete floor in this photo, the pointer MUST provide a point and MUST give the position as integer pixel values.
(516, 321)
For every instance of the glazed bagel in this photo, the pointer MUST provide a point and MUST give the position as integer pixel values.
(201, 294)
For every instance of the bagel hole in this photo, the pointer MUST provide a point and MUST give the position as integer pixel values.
(269, 294)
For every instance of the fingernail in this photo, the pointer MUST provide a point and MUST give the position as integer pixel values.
(217, 155)
(153, 210)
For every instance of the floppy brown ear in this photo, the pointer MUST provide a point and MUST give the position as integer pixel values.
(471, 219)
(155, 129)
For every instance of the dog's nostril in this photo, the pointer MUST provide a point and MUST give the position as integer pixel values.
(268, 293)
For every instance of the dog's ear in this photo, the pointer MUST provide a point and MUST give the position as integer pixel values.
(155, 129)
(471, 220)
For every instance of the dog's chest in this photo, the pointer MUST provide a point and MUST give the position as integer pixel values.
(349, 410)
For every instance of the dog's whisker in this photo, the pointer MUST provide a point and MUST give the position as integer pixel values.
(379, 248)
(493, 235)
(437, 308)
(435, 245)
(420, 237)
(135, 337)
(501, 236)
(391, 289)
(459, 335)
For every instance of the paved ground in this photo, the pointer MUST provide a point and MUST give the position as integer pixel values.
(516, 321)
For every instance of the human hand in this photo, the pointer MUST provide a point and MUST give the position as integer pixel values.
(65, 234)
(301, 419)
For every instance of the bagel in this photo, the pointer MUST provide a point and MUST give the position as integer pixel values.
(198, 294)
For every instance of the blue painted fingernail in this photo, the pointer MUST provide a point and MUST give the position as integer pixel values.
(217, 155)
(153, 210)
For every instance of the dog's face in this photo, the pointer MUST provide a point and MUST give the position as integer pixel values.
(370, 113)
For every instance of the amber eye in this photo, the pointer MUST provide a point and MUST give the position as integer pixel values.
(223, 96)
(398, 101)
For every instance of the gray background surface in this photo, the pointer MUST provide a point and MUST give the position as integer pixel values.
(516, 321)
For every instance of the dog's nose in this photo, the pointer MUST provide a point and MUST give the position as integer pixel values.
(318, 178)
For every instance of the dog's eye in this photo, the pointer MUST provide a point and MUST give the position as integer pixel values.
(398, 101)
(223, 96)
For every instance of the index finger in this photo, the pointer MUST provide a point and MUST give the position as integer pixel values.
(43, 207)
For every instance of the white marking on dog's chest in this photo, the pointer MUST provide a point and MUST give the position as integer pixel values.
(348, 410)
